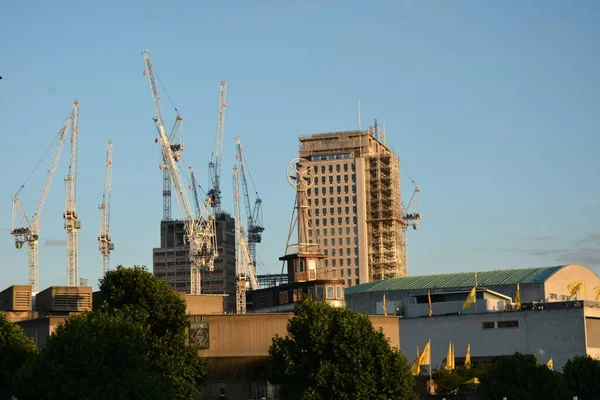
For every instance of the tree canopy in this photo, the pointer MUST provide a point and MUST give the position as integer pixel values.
(133, 345)
(582, 374)
(520, 377)
(95, 355)
(15, 350)
(335, 353)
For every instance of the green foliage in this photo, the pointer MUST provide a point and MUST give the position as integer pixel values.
(139, 292)
(132, 346)
(334, 353)
(96, 355)
(582, 374)
(16, 349)
(152, 302)
(448, 381)
(520, 377)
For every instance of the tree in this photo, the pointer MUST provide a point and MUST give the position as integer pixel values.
(95, 355)
(520, 377)
(151, 301)
(16, 349)
(581, 374)
(335, 353)
(449, 380)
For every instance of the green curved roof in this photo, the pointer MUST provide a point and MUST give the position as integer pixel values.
(461, 279)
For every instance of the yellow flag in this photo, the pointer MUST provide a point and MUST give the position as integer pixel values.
(518, 298)
(468, 356)
(429, 301)
(453, 357)
(416, 367)
(597, 293)
(425, 356)
(470, 299)
(550, 364)
(449, 363)
(575, 288)
(384, 306)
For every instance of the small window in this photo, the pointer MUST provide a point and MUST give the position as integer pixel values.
(320, 292)
(311, 292)
(339, 292)
(330, 292)
(487, 325)
(508, 324)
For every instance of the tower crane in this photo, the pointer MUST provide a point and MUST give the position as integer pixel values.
(104, 208)
(243, 262)
(194, 187)
(214, 165)
(410, 219)
(253, 215)
(200, 231)
(72, 223)
(29, 233)
(175, 139)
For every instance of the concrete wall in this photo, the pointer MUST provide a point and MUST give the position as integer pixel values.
(556, 334)
(250, 335)
(203, 303)
(39, 329)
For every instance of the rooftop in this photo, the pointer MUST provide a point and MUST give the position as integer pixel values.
(461, 279)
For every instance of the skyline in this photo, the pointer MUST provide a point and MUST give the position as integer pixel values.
(491, 109)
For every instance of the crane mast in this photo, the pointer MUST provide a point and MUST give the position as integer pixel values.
(243, 263)
(253, 215)
(194, 187)
(200, 231)
(409, 219)
(215, 164)
(29, 233)
(175, 139)
(104, 209)
(72, 223)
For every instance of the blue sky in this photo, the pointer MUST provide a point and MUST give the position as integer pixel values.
(493, 108)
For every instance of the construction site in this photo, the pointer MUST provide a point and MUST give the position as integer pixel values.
(355, 211)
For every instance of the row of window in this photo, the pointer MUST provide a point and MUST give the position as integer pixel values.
(339, 221)
(338, 167)
(337, 178)
(331, 201)
(341, 251)
(340, 262)
(331, 190)
(329, 292)
(499, 324)
(332, 210)
(340, 241)
(340, 231)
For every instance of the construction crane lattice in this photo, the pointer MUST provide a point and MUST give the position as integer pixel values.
(29, 231)
(104, 241)
(215, 164)
(72, 223)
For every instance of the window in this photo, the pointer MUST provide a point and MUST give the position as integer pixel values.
(339, 292)
(347, 230)
(283, 297)
(311, 292)
(323, 180)
(332, 220)
(325, 242)
(330, 292)
(356, 280)
(353, 166)
(340, 231)
(508, 324)
(331, 179)
(349, 282)
(342, 264)
(347, 240)
(345, 178)
(322, 169)
(346, 189)
(333, 262)
(340, 220)
(320, 292)
(317, 212)
(345, 167)
(346, 199)
(342, 273)
(339, 210)
(339, 179)
(349, 272)
(331, 200)
(347, 220)
(488, 325)
(308, 192)
(331, 168)
(331, 209)
(331, 190)
(333, 252)
(353, 179)
(316, 202)
(337, 168)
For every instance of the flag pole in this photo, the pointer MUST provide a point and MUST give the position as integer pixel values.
(475, 292)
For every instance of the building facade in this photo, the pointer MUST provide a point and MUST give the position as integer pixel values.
(356, 206)
(171, 260)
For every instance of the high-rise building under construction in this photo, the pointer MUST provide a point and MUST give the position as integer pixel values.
(355, 205)
(171, 261)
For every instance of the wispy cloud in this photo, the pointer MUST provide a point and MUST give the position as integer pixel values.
(587, 256)
(539, 238)
(589, 238)
(54, 242)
